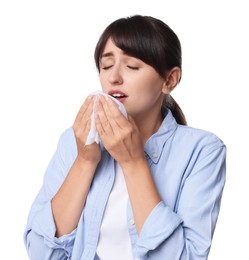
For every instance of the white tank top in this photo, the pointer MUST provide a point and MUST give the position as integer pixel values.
(114, 241)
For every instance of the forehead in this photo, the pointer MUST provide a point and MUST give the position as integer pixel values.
(110, 49)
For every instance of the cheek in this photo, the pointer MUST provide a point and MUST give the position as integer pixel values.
(153, 87)
(103, 84)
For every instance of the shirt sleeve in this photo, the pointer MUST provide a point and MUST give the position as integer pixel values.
(39, 235)
(186, 233)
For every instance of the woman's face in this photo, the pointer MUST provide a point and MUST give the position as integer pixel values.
(134, 83)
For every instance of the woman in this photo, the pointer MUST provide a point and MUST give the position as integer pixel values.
(152, 188)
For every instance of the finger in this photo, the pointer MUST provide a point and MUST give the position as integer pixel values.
(82, 123)
(99, 127)
(85, 112)
(114, 115)
(87, 103)
(102, 119)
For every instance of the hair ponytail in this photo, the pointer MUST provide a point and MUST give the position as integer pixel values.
(170, 103)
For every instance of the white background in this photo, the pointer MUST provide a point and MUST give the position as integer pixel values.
(47, 70)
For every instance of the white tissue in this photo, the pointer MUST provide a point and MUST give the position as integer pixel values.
(93, 135)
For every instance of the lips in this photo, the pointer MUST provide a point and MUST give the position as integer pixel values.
(118, 95)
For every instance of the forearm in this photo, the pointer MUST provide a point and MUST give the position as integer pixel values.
(68, 203)
(142, 191)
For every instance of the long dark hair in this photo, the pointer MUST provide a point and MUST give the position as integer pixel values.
(150, 40)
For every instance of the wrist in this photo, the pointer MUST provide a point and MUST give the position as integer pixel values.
(84, 163)
(137, 164)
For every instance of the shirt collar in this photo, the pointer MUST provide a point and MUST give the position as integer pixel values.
(154, 145)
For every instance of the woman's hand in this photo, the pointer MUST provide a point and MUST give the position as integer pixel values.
(120, 136)
(82, 124)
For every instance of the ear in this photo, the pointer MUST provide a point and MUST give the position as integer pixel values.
(172, 78)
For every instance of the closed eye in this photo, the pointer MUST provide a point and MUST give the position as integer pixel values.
(133, 68)
(106, 67)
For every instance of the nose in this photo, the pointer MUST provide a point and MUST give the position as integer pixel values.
(115, 77)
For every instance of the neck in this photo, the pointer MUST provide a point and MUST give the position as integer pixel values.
(148, 125)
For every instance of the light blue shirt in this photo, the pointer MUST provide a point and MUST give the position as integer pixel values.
(188, 167)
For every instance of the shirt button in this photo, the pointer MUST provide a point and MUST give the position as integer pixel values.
(132, 222)
(155, 155)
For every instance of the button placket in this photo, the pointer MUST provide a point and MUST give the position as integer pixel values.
(131, 222)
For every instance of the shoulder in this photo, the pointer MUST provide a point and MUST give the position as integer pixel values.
(198, 134)
(67, 137)
(198, 138)
(189, 135)
(67, 144)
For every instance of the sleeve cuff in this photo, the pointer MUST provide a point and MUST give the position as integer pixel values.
(47, 230)
(159, 225)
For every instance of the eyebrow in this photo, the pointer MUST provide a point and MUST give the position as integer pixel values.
(110, 54)
(107, 54)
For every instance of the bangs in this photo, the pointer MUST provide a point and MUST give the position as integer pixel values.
(134, 39)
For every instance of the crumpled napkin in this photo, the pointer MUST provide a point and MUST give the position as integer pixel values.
(93, 135)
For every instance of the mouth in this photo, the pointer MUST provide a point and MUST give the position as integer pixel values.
(119, 95)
